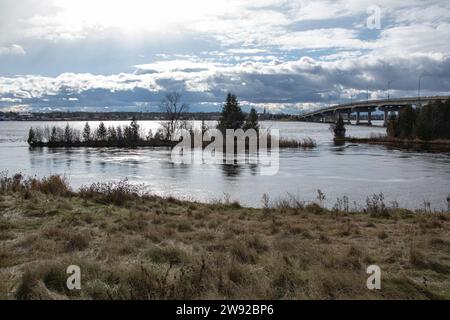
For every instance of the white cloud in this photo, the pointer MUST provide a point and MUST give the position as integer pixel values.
(171, 66)
(320, 39)
(418, 38)
(290, 53)
(246, 51)
(14, 50)
(298, 84)
(425, 12)
(10, 100)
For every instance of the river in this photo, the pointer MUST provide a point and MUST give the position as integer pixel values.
(357, 171)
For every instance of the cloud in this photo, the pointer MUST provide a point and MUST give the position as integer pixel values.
(293, 84)
(14, 50)
(282, 54)
(246, 51)
(321, 39)
(172, 66)
(418, 38)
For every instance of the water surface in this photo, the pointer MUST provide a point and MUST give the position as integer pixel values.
(356, 170)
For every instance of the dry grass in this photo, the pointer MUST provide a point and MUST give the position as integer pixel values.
(295, 143)
(135, 246)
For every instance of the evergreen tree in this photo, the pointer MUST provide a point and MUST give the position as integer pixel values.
(392, 127)
(119, 133)
(252, 121)
(440, 119)
(428, 122)
(128, 135)
(232, 116)
(87, 133)
(424, 123)
(31, 136)
(54, 135)
(339, 128)
(134, 127)
(406, 122)
(101, 132)
(112, 134)
(68, 136)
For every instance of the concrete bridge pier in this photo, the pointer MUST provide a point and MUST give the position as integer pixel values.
(369, 118)
(349, 117)
(338, 114)
(330, 118)
(358, 117)
(388, 110)
(386, 118)
(335, 115)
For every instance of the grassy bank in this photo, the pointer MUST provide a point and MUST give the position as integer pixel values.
(418, 144)
(131, 245)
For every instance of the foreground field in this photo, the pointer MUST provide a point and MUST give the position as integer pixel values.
(130, 246)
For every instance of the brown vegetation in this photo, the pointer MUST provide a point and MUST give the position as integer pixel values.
(294, 143)
(131, 245)
(417, 144)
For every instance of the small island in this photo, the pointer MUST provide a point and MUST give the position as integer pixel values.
(131, 136)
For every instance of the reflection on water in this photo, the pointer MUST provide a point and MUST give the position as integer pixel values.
(353, 170)
(231, 170)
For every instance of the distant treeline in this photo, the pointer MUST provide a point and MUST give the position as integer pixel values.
(430, 122)
(102, 116)
(123, 116)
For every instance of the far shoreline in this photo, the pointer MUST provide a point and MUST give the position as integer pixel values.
(140, 116)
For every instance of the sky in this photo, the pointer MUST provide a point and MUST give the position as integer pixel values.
(283, 56)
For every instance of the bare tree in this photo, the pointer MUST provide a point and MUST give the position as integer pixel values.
(175, 110)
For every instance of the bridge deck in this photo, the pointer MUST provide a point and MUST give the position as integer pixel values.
(371, 105)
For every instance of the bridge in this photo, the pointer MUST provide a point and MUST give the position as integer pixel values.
(330, 114)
